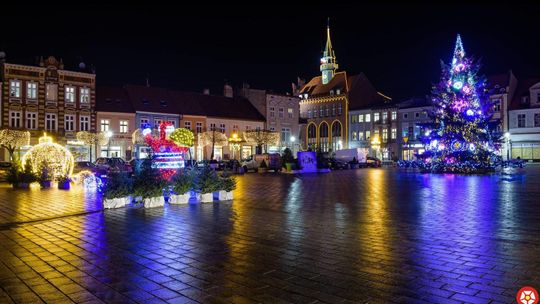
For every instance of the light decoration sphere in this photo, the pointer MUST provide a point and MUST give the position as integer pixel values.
(466, 89)
(55, 157)
(472, 147)
(470, 112)
(459, 67)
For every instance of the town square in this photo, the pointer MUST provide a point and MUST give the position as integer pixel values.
(197, 158)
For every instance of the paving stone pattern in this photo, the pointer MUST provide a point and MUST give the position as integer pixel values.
(356, 236)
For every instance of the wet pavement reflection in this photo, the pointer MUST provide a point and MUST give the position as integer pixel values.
(354, 236)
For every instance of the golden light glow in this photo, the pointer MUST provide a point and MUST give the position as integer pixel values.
(56, 158)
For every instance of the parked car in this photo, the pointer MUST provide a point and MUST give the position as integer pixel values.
(229, 164)
(273, 161)
(335, 164)
(83, 166)
(136, 163)
(373, 162)
(4, 170)
(106, 165)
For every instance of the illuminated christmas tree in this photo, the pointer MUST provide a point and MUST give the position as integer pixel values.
(462, 138)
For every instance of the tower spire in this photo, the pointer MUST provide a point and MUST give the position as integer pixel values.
(328, 61)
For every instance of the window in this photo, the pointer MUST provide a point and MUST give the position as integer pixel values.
(84, 95)
(222, 128)
(248, 128)
(285, 135)
(327, 110)
(281, 112)
(104, 125)
(394, 115)
(521, 120)
(496, 105)
(405, 115)
(537, 119)
(354, 135)
(157, 122)
(309, 114)
(384, 135)
(315, 113)
(355, 119)
(69, 122)
(272, 112)
(31, 120)
(144, 122)
(85, 123)
(15, 88)
(212, 126)
(69, 94)
(339, 109)
(199, 127)
(394, 133)
(187, 125)
(368, 135)
(272, 129)
(15, 119)
(384, 117)
(123, 126)
(321, 111)
(411, 133)
(51, 91)
(361, 118)
(172, 122)
(368, 117)
(376, 117)
(416, 114)
(360, 135)
(235, 127)
(290, 113)
(333, 110)
(31, 90)
(50, 122)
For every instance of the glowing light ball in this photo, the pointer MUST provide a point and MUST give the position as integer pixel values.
(466, 89)
(457, 85)
(146, 131)
(441, 147)
(459, 67)
(472, 147)
(470, 112)
(56, 158)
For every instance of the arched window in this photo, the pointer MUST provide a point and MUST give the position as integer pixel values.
(323, 137)
(337, 143)
(312, 136)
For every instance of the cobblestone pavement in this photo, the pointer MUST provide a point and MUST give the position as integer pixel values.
(357, 236)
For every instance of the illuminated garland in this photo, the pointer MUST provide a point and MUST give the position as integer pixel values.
(462, 138)
(182, 137)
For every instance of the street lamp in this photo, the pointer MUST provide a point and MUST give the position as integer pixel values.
(109, 134)
(234, 142)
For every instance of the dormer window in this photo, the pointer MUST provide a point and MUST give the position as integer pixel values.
(524, 99)
(537, 97)
(163, 103)
(145, 101)
(331, 92)
(338, 91)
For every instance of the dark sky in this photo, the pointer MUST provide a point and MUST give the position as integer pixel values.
(269, 44)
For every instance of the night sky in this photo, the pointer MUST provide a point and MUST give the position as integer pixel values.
(268, 45)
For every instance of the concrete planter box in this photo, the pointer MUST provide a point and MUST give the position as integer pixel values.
(207, 197)
(45, 184)
(117, 202)
(153, 202)
(64, 185)
(221, 195)
(179, 199)
(229, 195)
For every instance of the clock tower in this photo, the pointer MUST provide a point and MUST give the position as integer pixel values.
(328, 60)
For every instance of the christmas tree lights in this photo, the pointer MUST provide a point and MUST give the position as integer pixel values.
(462, 138)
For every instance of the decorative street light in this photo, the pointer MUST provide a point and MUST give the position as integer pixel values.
(234, 142)
(109, 134)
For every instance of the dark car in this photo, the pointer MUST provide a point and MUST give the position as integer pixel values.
(84, 166)
(136, 164)
(106, 165)
(335, 164)
(229, 165)
(4, 170)
(373, 162)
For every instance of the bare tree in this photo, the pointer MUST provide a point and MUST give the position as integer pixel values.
(262, 138)
(213, 137)
(13, 139)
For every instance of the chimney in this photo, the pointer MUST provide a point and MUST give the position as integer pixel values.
(206, 91)
(227, 91)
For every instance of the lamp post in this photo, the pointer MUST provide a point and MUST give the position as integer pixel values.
(507, 137)
(292, 139)
(109, 135)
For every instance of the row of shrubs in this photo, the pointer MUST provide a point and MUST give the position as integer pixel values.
(22, 176)
(148, 182)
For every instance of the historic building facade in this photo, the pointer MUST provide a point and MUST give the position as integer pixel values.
(523, 137)
(325, 101)
(47, 98)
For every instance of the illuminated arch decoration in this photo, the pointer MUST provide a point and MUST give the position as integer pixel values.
(311, 135)
(53, 156)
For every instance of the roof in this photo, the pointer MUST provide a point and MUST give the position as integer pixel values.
(522, 90)
(502, 80)
(361, 92)
(111, 99)
(416, 102)
(161, 100)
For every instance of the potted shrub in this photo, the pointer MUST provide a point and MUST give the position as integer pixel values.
(229, 184)
(207, 184)
(64, 181)
(117, 191)
(22, 179)
(45, 179)
(149, 186)
(263, 168)
(288, 159)
(182, 184)
(13, 174)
